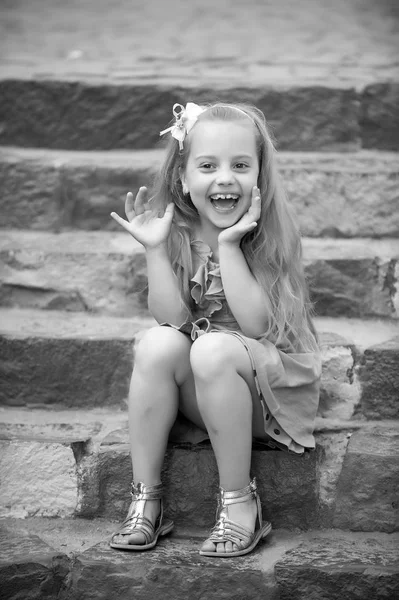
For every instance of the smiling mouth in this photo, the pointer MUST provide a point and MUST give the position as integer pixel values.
(224, 202)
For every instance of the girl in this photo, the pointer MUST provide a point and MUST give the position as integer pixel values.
(236, 351)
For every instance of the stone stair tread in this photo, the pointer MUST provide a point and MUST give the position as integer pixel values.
(26, 323)
(109, 426)
(175, 569)
(362, 161)
(110, 242)
(207, 49)
(22, 323)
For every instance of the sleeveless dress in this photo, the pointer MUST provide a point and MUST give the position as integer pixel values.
(287, 382)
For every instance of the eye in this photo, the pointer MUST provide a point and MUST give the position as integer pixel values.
(206, 166)
(241, 165)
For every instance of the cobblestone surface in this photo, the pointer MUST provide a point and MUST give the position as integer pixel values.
(280, 41)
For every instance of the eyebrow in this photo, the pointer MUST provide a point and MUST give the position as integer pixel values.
(210, 156)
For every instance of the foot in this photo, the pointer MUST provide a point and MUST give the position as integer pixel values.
(243, 513)
(152, 510)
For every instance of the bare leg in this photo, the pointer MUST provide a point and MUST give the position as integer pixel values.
(226, 397)
(161, 366)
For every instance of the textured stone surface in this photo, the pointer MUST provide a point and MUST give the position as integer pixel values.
(191, 481)
(354, 288)
(29, 568)
(339, 392)
(37, 478)
(337, 569)
(379, 376)
(380, 117)
(368, 487)
(333, 195)
(66, 359)
(332, 451)
(86, 116)
(106, 272)
(75, 272)
(175, 570)
(312, 40)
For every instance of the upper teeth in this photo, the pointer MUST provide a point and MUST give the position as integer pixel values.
(224, 197)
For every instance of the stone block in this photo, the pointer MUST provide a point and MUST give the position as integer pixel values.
(30, 569)
(368, 487)
(288, 482)
(37, 479)
(332, 450)
(343, 196)
(98, 274)
(378, 373)
(65, 359)
(353, 288)
(67, 372)
(379, 116)
(84, 116)
(339, 392)
(335, 568)
(30, 194)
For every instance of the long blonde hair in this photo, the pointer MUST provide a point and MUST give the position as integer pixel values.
(273, 250)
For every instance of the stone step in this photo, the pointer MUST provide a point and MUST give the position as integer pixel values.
(105, 272)
(68, 559)
(352, 195)
(108, 114)
(359, 359)
(349, 482)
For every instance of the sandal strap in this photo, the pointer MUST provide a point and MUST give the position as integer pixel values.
(138, 523)
(229, 531)
(226, 498)
(147, 492)
(237, 496)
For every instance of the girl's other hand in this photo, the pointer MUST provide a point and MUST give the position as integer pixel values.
(146, 227)
(248, 222)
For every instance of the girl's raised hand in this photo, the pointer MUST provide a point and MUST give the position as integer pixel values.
(248, 222)
(146, 227)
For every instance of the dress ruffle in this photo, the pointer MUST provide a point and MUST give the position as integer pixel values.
(207, 290)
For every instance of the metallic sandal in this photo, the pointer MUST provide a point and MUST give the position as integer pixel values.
(229, 531)
(137, 522)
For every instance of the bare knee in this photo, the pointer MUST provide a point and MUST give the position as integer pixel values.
(211, 355)
(161, 347)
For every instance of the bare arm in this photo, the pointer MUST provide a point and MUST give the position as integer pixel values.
(164, 297)
(243, 293)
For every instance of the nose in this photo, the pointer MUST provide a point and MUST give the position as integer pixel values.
(224, 176)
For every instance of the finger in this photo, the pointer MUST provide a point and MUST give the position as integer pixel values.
(255, 207)
(129, 207)
(141, 200)
(169, 212)
(118, 219)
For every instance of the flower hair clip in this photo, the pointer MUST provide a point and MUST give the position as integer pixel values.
(185, 120)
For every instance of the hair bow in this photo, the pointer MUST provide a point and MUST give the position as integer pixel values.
(185, 119)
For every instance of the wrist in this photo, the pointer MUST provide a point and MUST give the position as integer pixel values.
(161, 248)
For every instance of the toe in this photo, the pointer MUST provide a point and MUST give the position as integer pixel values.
(136, 538)
(208, 546)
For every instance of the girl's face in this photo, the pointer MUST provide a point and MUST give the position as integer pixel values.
(222, 168)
